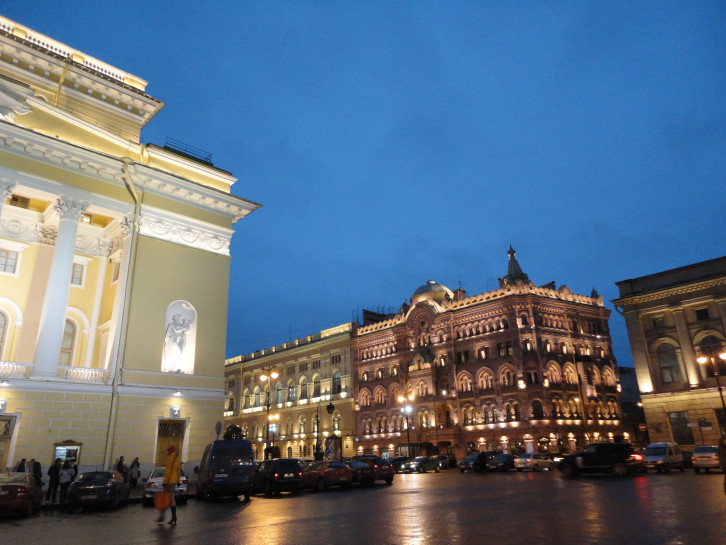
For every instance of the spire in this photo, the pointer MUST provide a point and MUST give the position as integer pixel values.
(514, 271)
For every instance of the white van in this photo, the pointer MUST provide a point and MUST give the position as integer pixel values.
(663, 457)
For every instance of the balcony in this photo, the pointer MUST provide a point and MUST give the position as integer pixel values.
(21, 371)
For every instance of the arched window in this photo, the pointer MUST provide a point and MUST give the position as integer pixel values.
(336, 422)
(670, 370)
(69, 338)
(507, 377)
(380, 396)
(486, 381)
(337, 386)
(532, 377)
(537, 410)
(422, 390)
(279, 393)
(257, 396)
(316, 386)
(291, 394)
(365, 399)
(303, 388)
(301, 425)
(464, 384)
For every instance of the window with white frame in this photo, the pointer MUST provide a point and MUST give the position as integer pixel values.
(69, 338)
(9, 261)
(77, 274)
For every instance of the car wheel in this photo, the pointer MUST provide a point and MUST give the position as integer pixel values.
(420, 469)
(568, 470)
(620, 469)
(389, 480)
(519, 469)
(461, 470)
(681, 468)
(707, 469)
(436, 469)
(696, 470)
(322, 485)
(28, 509)
(534, 467)
(269, 489)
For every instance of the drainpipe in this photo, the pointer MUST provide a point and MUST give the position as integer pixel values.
(123, 332)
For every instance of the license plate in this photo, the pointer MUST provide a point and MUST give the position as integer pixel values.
(89, 497)
(219, 475)
(289, 475)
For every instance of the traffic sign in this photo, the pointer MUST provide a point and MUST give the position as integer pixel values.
(642, 427)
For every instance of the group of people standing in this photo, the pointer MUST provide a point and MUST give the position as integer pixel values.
(61, 475)
(129, 473)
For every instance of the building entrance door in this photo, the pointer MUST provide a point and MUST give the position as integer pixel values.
(171, 432)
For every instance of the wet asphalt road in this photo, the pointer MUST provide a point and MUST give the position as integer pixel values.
(443, 508)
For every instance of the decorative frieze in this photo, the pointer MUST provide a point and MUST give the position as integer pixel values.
(183, 230)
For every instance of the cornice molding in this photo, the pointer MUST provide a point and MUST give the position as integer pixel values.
(27, 144)
(170, 227)
(677, 291)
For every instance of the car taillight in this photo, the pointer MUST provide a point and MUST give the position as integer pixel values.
(276, 475)
(637, 457)
(151, 484)
(183, 480)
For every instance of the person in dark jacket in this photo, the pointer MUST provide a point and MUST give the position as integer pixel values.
(38, 473)
(54, 474)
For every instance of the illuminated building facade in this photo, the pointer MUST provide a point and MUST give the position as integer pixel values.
(294, 396)
(676, 322)
(114, 266)
(520, 368)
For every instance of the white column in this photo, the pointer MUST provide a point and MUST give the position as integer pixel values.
(55, 302)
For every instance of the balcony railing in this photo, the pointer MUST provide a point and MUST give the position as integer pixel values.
(9, 369)
(84, 374)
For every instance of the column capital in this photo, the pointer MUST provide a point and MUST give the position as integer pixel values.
(71, 209)
(6, 189)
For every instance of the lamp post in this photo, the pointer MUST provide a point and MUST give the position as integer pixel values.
(705, 359)
(331, 409)
(406, 411)
(267, 377)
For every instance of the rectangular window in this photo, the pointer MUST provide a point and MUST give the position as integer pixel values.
(8, 261)
(682, 434)
(483, 353)
(702, 314)
(658, 322)
(77, 275)
(502, 350)
(20, 202)
(303, 367)
(462, 357)
(290, 370)
(316, 364)
(247, 380)
(335, 359)
(510, 349)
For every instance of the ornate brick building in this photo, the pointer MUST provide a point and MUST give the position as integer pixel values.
(523, 367)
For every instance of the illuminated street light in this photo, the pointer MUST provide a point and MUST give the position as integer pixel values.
(267, 377)
(704, 360)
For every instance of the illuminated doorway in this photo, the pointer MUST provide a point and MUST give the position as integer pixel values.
(171, 432)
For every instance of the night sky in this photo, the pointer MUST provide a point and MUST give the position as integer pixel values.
(395, 142)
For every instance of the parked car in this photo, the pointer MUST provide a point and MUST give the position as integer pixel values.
(618, 458)
(472, 462)
(274, 476)
(501, 462)
(363, 472)
(322, 475)
(98, 488)
(399, 462)
(155, 484)
(20, 493)
(663, 457)
(534, 461)
(227, 466)
(422, 464)
(705, 458)
(444, 461)
(382, 467)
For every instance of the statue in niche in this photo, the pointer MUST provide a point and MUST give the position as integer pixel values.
(179, 339)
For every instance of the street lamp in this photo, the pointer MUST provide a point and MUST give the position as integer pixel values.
(705, 359)
(267, 377)
(272, 425)
(331, 409)
(406, 411)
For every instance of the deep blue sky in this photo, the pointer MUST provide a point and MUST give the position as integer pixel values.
(395, 142)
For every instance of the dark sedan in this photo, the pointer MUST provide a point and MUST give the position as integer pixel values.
(363, 472)
(501, 462)
(98, 488)
(20, 493)
(422, 464)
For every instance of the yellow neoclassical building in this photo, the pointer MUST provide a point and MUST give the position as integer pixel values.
(114, 266)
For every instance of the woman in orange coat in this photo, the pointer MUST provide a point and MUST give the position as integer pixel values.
(171, 478)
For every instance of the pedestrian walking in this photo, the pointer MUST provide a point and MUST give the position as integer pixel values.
(134, 471)
(65, 479)
(54, 474)
(123, 469)
(20, 467)
(171, 478)
(38, 473)
(722, 459)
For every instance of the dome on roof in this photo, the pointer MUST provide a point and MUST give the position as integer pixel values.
(432, 290)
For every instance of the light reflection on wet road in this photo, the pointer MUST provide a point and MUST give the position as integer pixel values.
(445, 508)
